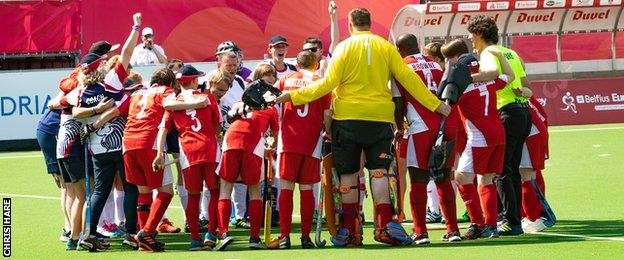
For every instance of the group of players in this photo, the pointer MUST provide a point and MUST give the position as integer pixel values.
(112, 125)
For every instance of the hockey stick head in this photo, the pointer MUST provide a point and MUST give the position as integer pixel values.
(260, 95)
(439, 158)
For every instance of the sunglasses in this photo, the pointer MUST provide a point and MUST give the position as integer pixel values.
(313, 49)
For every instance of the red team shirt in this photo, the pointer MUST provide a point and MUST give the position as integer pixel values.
(197, 130)
(144, 117)
(301, 126)
(247, 133)
(478, 114)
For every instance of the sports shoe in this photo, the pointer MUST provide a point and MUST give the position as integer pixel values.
(113, 230)
(122, 226)
(452, 236)
(433, 217)
(489, 232)
(256, 243)
(398, 234)
(464, 218)
(242, 223)
(381, 235)
(341, 238)
(306, 243)
(167, 226)
(148, 240)
(198, 245)
(224, 242)
(103, 242)
(91, 244)
(506, 229)
(71, 245)
(533, 226)
(279, 243)
(203, 225)
(210, 239)
(130, 242)
(473, 232)
(65, 235)
(420, 239)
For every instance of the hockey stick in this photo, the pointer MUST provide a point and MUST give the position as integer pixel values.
(268, 208)
(552, 219)
(319, 218)
(86, 231)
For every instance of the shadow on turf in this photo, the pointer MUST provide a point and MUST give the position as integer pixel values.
(597, 228)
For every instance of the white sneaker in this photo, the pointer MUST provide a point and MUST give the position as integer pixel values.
(533, 226)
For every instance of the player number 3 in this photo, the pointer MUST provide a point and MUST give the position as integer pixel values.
(303, 112)
(197, 126)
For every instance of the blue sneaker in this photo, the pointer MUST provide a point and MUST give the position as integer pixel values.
(341, 239)
(210, 240)
(489, 232)
(71, 245)
(506, 229)
(398, 234)
(197, 245)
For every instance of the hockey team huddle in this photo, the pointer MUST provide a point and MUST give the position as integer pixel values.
(324, 123)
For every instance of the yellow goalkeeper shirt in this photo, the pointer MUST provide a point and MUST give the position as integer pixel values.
(358, 73)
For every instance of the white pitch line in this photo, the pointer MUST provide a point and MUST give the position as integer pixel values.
(585, 129)
(580, 236)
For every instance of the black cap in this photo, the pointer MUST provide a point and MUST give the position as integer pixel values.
(91, 61)
(275, 40)
(130, 85)
(188, 72)
(102, 47)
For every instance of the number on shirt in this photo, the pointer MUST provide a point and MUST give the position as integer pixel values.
(143, 105)
(304, 112)
(484, 93)
(197, 126)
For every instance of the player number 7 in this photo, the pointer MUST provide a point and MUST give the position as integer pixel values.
(484, 93)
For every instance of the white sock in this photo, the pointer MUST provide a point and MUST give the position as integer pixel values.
(120, 214)
(183, 193)
(108, 213)
(205, 198)
(433, 199)
(239, 199)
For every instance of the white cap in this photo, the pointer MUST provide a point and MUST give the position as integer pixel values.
(147, 31)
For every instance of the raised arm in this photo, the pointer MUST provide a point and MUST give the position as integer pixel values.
(131, 41)
(335, 30)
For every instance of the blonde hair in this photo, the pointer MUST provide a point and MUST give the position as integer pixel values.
(219, 76)
(112, 61)
(264, 69)
(92, 77)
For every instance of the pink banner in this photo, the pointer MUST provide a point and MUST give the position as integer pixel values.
(583, 101)
(40, 26)
(191, 30)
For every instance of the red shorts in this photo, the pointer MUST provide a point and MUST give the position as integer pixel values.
(299, 168)
(482, 160)
(419, 146)
(240, 164)
(403, 148)
(138, 167)
(195, 175)
(534, 152)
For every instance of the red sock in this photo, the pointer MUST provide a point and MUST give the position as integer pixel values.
(539, 178)
(285, 212)
(192, 215)
(255, 217)
(349, 213)
(469, 195)
(530, 203)
(384, 214)
(418, 203)
(213, 211)
(224, 207)
(157, 210)
(447, 205)
(144, 203)
(489, 201)
(307, 212)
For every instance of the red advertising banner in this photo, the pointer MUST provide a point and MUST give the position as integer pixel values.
(39, 26)
(191, 30)
(583, 101)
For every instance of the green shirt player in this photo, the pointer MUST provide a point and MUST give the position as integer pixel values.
(512, 109)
